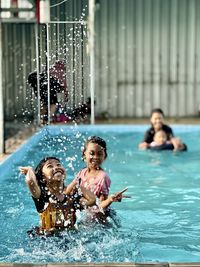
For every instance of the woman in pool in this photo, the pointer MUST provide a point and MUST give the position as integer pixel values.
(157, 123)
(57, 210)
(94, 178)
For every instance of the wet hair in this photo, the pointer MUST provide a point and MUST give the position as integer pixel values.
(95, 140)
(157, 110)
(38, 169)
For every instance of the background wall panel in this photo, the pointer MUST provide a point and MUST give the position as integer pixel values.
(147, 55)
(17, 58)
(157, 56)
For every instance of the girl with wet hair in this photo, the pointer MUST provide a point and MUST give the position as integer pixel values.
(95, 140)
(94, 178)
(57, 209)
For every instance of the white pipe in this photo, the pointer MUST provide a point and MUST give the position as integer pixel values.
(44, 11)
(48, 76)
(38, 70)
(92, 56)
(2, 144)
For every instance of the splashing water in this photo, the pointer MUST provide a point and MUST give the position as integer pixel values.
(160, 222)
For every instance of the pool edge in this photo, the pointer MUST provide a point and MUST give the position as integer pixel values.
(162, 264)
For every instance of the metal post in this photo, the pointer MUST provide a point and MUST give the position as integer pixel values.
(48, 76)
(92, 55)
(2, 141)
(38, 70)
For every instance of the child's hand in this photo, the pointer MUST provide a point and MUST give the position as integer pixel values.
(117, 197)
(24, 170)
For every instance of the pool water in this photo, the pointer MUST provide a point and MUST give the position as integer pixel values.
(159, 223)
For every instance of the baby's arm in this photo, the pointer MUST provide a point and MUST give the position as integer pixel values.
(31, 181)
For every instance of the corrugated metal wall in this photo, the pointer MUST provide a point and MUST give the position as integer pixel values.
(18, 60)
(148, 55)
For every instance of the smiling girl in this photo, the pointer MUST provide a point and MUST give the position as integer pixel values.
(94, 178)
(57, 209)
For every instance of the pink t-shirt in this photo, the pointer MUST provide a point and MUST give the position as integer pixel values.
(99, 185)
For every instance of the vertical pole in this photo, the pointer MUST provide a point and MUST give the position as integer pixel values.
(38, 71)
(92, 55)
(2, 143)
(48, 76)
(58, 41)
(74, 66)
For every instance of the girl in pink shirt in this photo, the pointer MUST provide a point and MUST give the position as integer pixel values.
(93, 177)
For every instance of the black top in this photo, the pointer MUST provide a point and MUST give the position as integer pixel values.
(149, 135)
(42, 200)
(41, 203)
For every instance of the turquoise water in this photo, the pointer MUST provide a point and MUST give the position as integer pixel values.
(159, 223)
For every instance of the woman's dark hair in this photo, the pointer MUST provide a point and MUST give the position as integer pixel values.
(95, 140)
(157, 110)
(38, 169)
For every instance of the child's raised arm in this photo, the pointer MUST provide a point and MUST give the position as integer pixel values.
(88, 199)
(31, 181)
(70, 187)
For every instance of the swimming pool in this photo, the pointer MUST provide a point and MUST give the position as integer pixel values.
(160, 223)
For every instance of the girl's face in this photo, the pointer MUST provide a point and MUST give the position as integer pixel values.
(94, 155)
(53, 170)
(157, 120)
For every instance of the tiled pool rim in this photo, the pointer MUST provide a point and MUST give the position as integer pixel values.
(55, 130)
(101, 265)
